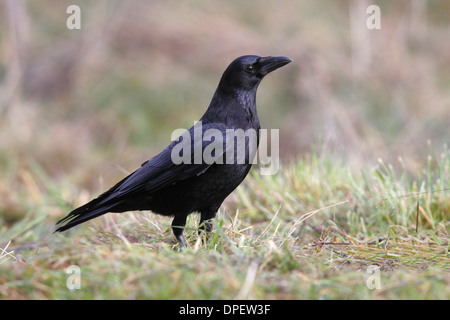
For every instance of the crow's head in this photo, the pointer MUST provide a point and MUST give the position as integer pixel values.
(246, 72)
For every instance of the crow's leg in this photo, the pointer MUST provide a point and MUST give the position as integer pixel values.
(206, 215)
(178, 224)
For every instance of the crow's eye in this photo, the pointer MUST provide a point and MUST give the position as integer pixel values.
(249, 68)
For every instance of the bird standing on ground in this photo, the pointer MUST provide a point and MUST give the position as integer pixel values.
(175, 188)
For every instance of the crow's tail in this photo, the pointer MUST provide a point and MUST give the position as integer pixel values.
(84, 213)
(106, 202)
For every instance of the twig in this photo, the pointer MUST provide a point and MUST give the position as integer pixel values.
(417, 217)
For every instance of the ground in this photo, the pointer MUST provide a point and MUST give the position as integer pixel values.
(272, 240)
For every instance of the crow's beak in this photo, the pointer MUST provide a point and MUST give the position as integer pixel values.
(269, 64)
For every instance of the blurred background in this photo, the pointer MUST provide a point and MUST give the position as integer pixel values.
(84, 107)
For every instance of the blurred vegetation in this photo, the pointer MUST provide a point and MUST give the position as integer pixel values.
(79, 108)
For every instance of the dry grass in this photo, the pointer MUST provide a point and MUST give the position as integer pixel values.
(258, 249)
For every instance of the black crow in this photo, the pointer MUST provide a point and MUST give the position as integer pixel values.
(197, 171)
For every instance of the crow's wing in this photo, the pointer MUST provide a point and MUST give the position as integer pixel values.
(182, 159)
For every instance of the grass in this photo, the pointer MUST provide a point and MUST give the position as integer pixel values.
(310, 232)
